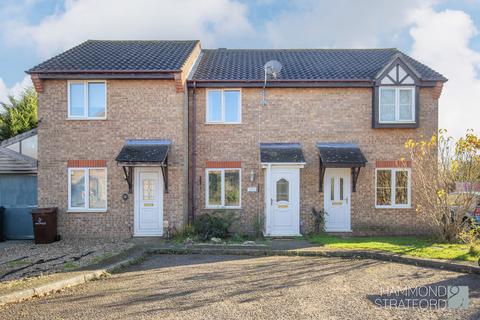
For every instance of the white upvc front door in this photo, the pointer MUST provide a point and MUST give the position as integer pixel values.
(282, 201)
(337, 199)
(148, 219)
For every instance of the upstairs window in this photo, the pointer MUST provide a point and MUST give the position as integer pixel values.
(87, 100)
(224, 106)
(397, 104)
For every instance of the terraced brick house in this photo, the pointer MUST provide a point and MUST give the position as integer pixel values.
(138, 138)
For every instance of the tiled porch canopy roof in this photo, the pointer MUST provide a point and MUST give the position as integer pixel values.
(341, 155)
(144, 153)
(281, 153)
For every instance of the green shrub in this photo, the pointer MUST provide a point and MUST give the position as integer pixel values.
(213, 225)
(186, 232)
(18, 115)
(471, 237)
(474, 250)
(257, 227)
(319, 220)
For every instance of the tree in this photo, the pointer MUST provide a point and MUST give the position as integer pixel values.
(18, 115)
(439, 164)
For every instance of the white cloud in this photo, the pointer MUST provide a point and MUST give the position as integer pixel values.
(209, 20)
(441, 40)
(16, 90)
(342, 23)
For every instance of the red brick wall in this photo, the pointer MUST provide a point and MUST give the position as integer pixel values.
(308, 116)
(86, 163)
(393, 164)
(223, 164)
(136, 109)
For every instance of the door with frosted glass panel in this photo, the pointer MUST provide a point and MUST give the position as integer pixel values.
(337, 199)
(284, 202)
(149, 202)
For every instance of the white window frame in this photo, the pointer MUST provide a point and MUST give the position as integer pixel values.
(222, 121)
(222, 191)
(87, 189)
(397, 104)
(85, 100)
(394, 171)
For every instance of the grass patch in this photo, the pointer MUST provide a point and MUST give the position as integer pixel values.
(69, 266)
(101, 257)
(132, 262)
(412, 246)
(17, 263)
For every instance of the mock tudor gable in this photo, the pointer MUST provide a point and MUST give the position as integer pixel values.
(398, 72)
(400, 76)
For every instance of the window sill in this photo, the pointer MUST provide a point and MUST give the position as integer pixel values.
(395, 125)
(226, 123)
(396, 122)
(87, 211)
(393, 207)
(86, 119)
(223, 208)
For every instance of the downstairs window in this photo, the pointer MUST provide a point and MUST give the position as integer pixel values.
(87, 189)
(223, 188)
(393, 188)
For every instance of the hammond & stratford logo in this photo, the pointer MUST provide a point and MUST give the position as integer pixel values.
(423, 297)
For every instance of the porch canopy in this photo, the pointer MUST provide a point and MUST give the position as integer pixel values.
(283, 153)
(340, 155)
(144, 153)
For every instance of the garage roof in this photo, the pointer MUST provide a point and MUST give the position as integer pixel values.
(12, 162)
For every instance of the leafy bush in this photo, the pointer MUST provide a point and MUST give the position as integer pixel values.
(213, 225)
(471, 236)
(257, 227)
(439, 163)
(18, 115)
(318, 220)
(474, 250)
(186, 232)
(239, 237)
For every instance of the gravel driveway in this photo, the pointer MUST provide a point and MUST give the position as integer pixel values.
(19, 259)
(232, 287)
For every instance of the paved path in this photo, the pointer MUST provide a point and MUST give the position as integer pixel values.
(233, 287)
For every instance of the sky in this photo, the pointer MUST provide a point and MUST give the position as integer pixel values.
(443, 34)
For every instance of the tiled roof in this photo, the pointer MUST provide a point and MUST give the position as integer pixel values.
(302, 64)
(101, 55)
(12, 162)
(341, 154)
(144, 151)
(281, 153)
